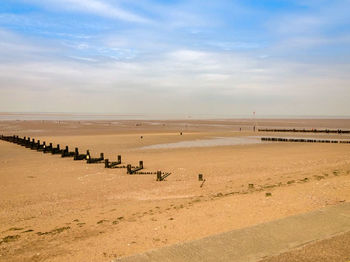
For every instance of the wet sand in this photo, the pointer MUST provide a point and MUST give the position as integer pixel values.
(54, 209)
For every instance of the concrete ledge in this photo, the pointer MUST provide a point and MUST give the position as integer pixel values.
(254, 243)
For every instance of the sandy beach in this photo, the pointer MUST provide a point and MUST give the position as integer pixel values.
(57, 209)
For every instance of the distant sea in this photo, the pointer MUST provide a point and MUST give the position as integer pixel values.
(95, 116)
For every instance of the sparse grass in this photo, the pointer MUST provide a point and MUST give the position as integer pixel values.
(102, 221)
(27, 231)
(304, 180)
(8, 239)
(54, 231)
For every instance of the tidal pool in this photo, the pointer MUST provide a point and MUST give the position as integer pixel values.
(217, 141)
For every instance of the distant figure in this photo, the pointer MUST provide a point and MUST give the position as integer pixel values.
(240, 129)
(141, 137)
(254, 128)
(180, 133)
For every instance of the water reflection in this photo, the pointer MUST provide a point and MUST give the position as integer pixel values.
(217, 141)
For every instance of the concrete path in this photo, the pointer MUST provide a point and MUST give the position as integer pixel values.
(254, 243)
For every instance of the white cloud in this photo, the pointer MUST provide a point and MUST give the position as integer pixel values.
(97, 7)
(198, 81)
(159, 69)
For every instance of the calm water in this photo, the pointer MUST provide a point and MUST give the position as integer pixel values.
(217, 141)
(111, 116)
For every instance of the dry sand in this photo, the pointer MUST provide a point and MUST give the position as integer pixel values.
(54, 209)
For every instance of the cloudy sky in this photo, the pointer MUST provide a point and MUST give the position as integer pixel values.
(202, 58)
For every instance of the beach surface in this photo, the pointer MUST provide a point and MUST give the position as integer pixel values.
(57, 209)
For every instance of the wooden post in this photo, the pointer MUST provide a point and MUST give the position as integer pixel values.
(88, 156)
(200, 177)
(159, 175)
(106, 163)
(128, 169)
(141, 164)
(119, 158)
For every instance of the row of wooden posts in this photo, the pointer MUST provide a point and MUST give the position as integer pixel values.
(49, 148)
(279, 139)
(327, 131)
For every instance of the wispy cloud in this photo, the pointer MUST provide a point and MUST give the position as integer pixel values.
(96, 7)
(219, 56)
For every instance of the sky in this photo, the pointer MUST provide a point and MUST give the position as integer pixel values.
(176, 58)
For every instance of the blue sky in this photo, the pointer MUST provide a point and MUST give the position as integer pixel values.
(212, 58)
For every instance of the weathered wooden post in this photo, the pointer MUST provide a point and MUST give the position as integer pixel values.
(200, 177)
(78, 156)
(42, 147)
(56, 150)
(48, 148)
(113, 164)
(36, 145)
(128, 169)
(28, 143)
(91, 160)
(65, 152)
(159, 175)
(32, 143)
(88, 157)
(141, 164)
